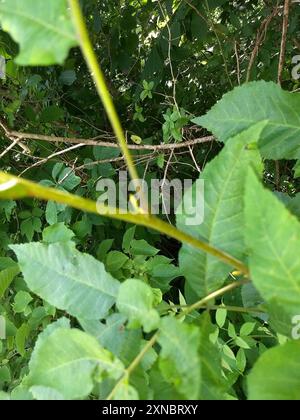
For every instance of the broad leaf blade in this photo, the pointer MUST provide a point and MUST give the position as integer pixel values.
(213, 384)
(43, 29)
(6, 277)
(254, 102)
(179, 359)
(223, 204)
(66, 360)
(136, 301)
(67, 279)
(276, 375)
(273, 238)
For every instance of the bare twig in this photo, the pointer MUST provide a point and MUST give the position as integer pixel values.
(238, 66)
(15, 140)
(259, 40)
(95, 142)
(61, 152)
(285, 27)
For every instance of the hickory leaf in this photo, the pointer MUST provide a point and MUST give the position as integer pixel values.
(67, 279)
(254, 102)
(43, 29)
(223, 223)
(276, 375)
(273, 239)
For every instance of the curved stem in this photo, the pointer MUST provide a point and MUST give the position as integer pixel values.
(133, 365)
(99, 79)
(15, 188)
(153, 340)
(214, 295)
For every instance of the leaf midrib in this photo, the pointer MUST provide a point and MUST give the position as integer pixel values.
(38, 22)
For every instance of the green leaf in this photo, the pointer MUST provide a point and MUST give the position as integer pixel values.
(115, 261)
(297, 169)
(8, 206)
(115, 337)
(43, 29)
(126, 392)
(224, 179)
(213, 385)
(67, 179)
(67, 77)
(261, 101)
(247, 328)
(128, 238)
(141, 247)
(273, 238)
(6, 277)
(179, 359)
(4, 396)
(136, 139)
(5, 375)
(51, 213)
(52, 113)
(43, 393)
(57, 233)
(68, 360)
(27, 229)
(21, 336)
(104, 248)
(276, 375)
(21, 301)
(136, 300)
(221, 316)
(67, 279)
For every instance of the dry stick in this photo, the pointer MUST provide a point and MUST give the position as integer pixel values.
(259, 39)
(285, 27)
(194, 160)
(94, 142)
(14, 140)
(238, 66)
(163, 184)
(61, 152)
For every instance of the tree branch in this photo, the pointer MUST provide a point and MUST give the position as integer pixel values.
(95, 142)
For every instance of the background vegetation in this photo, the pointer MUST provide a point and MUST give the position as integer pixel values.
(125, 307)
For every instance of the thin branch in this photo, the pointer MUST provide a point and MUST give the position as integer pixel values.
(15, 140)
(238, 66)
(95, 142)
(212, 296)
(133, 365)
(43, 161)
(285, 27)
(259, 40)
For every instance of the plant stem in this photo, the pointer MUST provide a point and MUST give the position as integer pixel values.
(20, 188)
(214, 295)
(238, 309)
(99, 79)
(153, 340)
(133, 365)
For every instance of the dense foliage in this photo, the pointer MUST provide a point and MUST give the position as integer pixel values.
(111, 306)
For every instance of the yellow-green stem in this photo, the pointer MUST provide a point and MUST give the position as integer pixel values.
(99, 79)
(15, 188)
